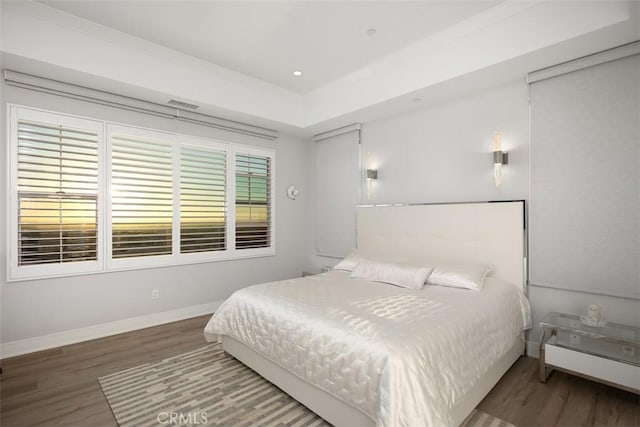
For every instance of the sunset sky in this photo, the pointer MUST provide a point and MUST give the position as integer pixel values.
(53, 160)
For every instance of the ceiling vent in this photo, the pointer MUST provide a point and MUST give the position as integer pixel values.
(181, 104)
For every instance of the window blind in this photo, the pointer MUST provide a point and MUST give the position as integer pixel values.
(89, 196)
(57, 180)
(584, 227)
(202, 199)
(141, 196)
(337, 193)
(253, 201)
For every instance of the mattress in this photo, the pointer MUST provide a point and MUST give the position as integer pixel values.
(403, 357)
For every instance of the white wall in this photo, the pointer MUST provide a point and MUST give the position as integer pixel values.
(442, 153)
(42, 307)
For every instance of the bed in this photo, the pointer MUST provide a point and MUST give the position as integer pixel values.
(359, 352)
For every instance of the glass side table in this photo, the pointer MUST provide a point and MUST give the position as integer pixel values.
(609, 354)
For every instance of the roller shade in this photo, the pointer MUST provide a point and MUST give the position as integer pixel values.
(584, 226)
(338, 178)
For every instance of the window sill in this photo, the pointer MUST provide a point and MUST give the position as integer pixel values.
(22, 277)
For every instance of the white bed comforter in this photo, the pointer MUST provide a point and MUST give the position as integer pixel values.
(404, 357)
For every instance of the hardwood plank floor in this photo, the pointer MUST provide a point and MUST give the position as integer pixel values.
(59, 387)
(564, 400)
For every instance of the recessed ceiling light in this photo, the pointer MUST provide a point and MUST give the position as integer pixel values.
(371, 32)
(297, 73)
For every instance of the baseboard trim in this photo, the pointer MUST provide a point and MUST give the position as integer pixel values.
(59, 339)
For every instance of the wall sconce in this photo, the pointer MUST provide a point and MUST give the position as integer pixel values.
(292, 192)
(371, 175)
(499, 158)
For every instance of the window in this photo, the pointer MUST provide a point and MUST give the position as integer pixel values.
(160, 199)
(141, 173)
(253, 201)
(55, 177)
(57, 194)
(203, 199)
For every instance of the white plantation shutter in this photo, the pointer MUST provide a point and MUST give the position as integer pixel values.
(253, 205)
(141, 195)
(203, 202)
(88, 196)
(57, 183)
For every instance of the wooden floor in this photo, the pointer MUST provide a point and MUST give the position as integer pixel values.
(564, 400)
(59, 387)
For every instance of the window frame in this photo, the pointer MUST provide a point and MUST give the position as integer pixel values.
(105, 263)
(190, 258)
(271, 249)
(145, 261)
(15, 271)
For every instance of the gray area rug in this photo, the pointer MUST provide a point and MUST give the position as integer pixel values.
(207, 387)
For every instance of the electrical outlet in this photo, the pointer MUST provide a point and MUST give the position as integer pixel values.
(155, 294)
(574, 339)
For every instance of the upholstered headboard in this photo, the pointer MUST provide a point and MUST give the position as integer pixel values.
(489, 233)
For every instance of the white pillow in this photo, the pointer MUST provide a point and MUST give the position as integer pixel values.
(358, 255)
(349, 262)
(467, 277)
(406, 276)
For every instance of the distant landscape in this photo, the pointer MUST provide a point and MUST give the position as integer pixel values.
(40, 245)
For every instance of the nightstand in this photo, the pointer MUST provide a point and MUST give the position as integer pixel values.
(609, 354)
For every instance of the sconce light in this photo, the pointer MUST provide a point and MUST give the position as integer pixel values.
(371, 175)
(292, 192)
(499, 158)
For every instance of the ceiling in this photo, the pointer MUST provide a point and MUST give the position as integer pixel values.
(235, 58)
(269, 40)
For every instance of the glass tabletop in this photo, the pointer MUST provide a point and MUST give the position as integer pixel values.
(609, 331)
